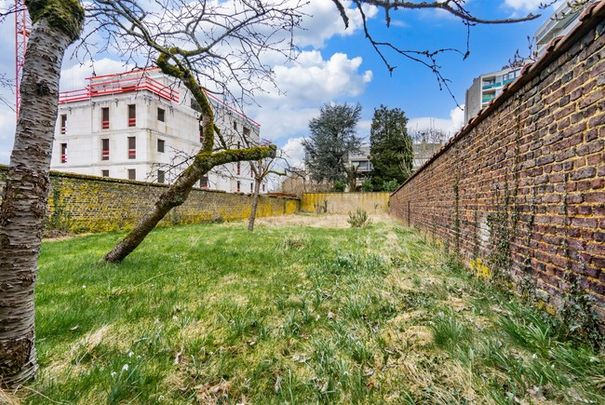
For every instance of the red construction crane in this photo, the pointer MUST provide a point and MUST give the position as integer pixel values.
(22, 29)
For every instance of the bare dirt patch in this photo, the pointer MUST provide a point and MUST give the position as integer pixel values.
(317, 221)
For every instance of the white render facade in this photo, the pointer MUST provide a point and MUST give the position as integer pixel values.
(140, 126)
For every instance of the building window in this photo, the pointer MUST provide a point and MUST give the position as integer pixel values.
(246, 132)
(204, 182)
(132, 174)
(251, 187)
(161, 144)
(63, 153)
(132, 147)
(238, 168)
(238, 187)
(105, 149)
(263, 188)
(132, 115)
(105, 118)
(235, 125)
(239, 145)
(63, 123)
(161, 114)
(161, 176)
(105, 173)
(201, 134)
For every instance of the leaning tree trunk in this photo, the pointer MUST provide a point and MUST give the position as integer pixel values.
(178, 192)
(24, 201)
(252, 218)
(205, 160)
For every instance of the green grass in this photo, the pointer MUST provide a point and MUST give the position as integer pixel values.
(213, 313)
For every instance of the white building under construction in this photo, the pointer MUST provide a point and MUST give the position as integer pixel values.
(141, 125)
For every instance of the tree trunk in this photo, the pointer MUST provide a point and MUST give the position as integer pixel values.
(254, 204)
(24, 204)
(178, 192)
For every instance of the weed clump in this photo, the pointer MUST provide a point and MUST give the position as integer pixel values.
(579, 317)
(294, 242)
(358, 219)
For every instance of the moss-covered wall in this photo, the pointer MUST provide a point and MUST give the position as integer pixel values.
(80, 203)
(343, 203)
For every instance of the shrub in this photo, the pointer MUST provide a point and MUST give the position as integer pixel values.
(367, 186)
(390, 185)
(359, 219)
(339, 186)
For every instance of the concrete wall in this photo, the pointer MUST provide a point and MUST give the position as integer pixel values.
(79, 203)
(521, 189)
(343, 203)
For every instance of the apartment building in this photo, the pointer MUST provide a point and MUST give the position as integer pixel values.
(485, 88)
(563, 20)
(361, 162)
(143, 125)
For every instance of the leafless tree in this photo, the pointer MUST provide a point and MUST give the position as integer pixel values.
(215, 47)
(261, 170)
(56, 24)
(389, 47)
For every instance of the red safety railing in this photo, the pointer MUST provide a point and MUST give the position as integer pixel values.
(132, 153)
(64, 158)
(105, 154)
(132, 122)
(105, 124)
(128, 82)
(119, 84)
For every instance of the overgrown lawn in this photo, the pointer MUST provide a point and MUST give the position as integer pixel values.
(291, 314)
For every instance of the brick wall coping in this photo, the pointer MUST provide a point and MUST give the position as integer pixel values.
(54, 173)
(590, 18)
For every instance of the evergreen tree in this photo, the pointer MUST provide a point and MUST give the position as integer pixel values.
(390, 148)
(332, 139)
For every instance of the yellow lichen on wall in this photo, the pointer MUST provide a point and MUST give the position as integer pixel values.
(480, 269)
(80, 203)
(343, 203)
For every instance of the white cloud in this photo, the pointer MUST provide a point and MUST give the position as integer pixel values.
(7, 134)
(294, 151)
(524, 5)
(324, 22)
(74, 77)
(313, 78)
(448, 126)
(304, 85)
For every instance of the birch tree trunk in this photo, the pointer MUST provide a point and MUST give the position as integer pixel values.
(252, 218)
(25, 194)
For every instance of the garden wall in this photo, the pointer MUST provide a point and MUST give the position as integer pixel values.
(343, 203)
(79, 203)
(521, 189)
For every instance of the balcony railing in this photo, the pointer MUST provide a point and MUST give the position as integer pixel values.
(105, 154)
(132, 153)
(105, 124)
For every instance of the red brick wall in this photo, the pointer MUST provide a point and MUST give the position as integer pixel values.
(522, 187)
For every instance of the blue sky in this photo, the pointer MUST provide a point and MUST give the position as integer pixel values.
(340, 66)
